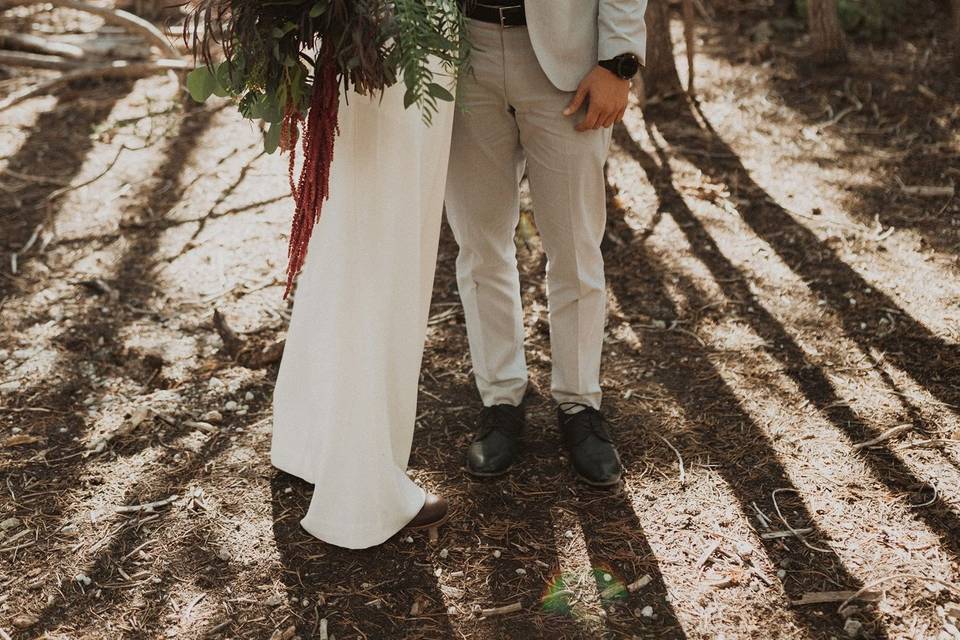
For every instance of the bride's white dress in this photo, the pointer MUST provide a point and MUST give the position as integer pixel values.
(344, 405)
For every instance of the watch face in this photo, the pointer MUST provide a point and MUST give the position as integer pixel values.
(628, 66)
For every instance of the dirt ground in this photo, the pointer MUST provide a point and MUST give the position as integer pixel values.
(779, 296)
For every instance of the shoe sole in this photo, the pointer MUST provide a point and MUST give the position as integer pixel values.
(594, 483)
(430, 525)
(489, 474)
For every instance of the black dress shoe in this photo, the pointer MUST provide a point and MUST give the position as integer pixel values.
(589, 444)
(497, 442)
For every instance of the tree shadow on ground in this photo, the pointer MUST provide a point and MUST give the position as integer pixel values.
(385, 583)
(522, 516)
(50, 157)
(615, 539)
(892, 101)
(721, 429)
(932, 362)
(75, 607)
(92, 340)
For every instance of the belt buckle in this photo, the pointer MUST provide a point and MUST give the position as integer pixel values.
(503, 17)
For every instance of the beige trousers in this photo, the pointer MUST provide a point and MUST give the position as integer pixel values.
(511, 119)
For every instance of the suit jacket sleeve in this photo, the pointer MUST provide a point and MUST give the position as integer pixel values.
(622, 28)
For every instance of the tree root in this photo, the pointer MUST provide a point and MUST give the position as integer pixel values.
(125, 19)
(246, 354)
(36, 44)
(115, 69)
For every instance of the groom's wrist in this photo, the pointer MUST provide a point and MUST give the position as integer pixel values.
(625, 66)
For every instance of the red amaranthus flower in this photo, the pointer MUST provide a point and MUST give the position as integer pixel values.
(313, 186)
(273, 69)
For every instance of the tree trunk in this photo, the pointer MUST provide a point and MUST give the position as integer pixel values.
(829, 43)
(660, 75)
(956, 35)
(153, 10)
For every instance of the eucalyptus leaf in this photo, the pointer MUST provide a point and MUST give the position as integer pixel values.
(256, 108)
(271, 138)
(223, 80)
(409, 97)
(374, 44)
(249, 105)
(271, 108)
(439, 92)
(201, 84)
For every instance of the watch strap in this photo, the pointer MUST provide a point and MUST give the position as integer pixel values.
(615, 65)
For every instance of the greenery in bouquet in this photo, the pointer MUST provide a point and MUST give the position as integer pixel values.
(286, 62)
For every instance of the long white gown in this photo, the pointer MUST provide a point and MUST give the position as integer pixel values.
(344, 405)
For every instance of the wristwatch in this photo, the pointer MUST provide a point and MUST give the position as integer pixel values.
(625, 66)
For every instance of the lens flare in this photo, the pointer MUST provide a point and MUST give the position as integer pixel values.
(567, 588)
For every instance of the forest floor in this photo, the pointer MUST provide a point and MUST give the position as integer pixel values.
(779, 296)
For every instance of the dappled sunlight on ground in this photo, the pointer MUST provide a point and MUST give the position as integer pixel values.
(781, 372)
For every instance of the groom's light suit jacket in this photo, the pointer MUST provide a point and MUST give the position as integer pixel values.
(570, 36)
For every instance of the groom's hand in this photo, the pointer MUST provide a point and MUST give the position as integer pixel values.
(607, 96)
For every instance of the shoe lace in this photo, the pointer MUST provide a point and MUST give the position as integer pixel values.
(498, 417)
(595, 422)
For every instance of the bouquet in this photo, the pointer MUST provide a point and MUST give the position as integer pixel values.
(285, 62)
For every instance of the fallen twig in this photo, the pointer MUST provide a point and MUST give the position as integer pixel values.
(892, 432)
(148, 506)
(32, 239)
(17, 536)
(502, 611)
(795, 532)
(674, 327)
(869, 586)
(929, 191)
(38, 60)
(203, 426)
(929, 443)
(761, 516)
(18, 547)
(711, 548)
(284, 634)
(639, 583)
(443, 315)
(138, 548)
(21, 439)
(683, 474)
(774, 535)
(826, 597)
(36, 44)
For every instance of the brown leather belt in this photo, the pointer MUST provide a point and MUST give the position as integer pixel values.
(509, 16)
